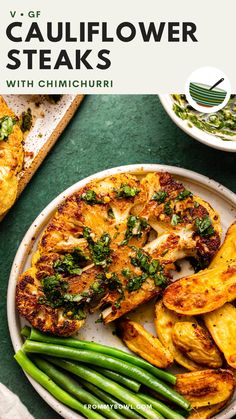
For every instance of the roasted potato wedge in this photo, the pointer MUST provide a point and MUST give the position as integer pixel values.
(144, 343)
(195, 341)
(227, 252)
(165, 321)
(205, 388)
(206, 412)
(202, 292)
(221, 324)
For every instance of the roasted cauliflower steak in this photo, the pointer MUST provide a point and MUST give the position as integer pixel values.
(11, 156)
(113, 245)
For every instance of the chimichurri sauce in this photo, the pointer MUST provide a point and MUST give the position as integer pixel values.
(221, 123)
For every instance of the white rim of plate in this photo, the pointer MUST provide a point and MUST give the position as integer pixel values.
(194, 132)
(45, 215)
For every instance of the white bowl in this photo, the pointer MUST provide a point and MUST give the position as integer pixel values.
(204, 137)
(222, 199)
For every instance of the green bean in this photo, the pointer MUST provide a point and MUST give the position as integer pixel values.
(160, 407)
(125, 381)
(25, 331)
(107, 350)
(113, 364)
(70, 385)
(128, 413)
(61, 395)
(109, 386)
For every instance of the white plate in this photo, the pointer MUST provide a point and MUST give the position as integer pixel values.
(204, 137)
(221, 199)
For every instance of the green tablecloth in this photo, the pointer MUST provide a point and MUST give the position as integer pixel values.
(107, 131)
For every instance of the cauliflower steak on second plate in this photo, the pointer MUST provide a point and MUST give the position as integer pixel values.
(11, 156)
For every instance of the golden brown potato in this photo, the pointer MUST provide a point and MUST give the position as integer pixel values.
(227, 252)
(204, 388)
(221, 324)
(144, 344)
(206, 412)
(202, 292)
(165, 321)
(194, 340)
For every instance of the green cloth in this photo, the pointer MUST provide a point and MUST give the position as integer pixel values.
(107, 131)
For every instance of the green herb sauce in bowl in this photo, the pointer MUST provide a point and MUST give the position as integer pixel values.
(221, 123)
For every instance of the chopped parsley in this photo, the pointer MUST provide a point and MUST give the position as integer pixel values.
(126, 191)
(159, 196)
(117, 304)
(100, 249)
(110, 213)
(97, 287)
(6, 127)
(176, 219)
(126, 272)
(183, 195)
(71, 263)
(113, 283)
(135, 227)
(91, 197)
(204, 226)
(151, 267)
(99, 320)
(110, 281)
(165, 252)
(75, 311)
(79, 314)
(136, 282)
(167, 208)
(160, 279)
(26, 120)
(75, 298)
(53, 287)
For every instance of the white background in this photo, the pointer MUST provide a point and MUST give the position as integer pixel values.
(137, 67)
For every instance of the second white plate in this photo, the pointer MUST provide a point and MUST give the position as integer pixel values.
(204, 137)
